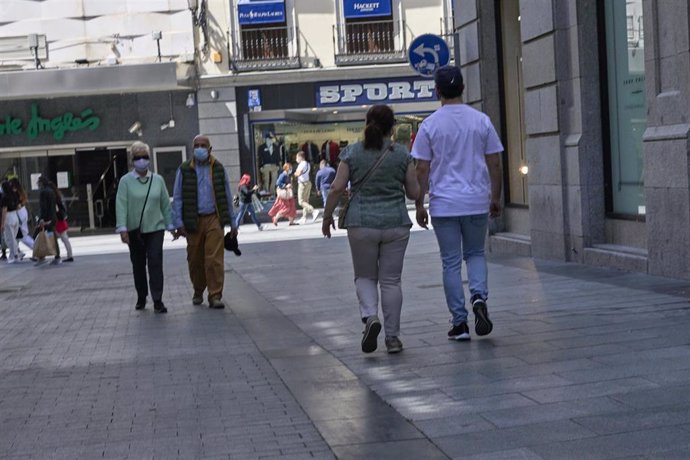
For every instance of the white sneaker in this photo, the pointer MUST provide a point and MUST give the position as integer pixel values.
(314, 215)
(303, 220)
(12, 260)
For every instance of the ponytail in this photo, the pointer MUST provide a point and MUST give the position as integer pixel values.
(380, 122)
(373, 137)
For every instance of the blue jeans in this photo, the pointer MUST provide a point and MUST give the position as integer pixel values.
(324, 193)
(246, 207)
(459, 238)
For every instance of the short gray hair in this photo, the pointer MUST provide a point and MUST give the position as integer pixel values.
(139, 146)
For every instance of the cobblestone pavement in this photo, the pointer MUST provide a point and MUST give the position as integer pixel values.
(582, 362)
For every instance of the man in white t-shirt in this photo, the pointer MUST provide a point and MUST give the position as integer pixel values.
(304, 188)
(458, 162)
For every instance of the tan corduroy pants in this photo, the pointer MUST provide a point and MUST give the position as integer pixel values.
(205, 257)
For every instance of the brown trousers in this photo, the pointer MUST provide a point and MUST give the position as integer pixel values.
(205, 257)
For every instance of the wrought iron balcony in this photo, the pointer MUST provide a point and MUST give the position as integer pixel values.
(266, 48)
(369, 42)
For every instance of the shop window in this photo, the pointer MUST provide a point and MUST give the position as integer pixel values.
(626, 100)
(321, 141)
(369, 30)
(514, 135)
(264, 39)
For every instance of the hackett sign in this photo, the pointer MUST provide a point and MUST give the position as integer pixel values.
(57, 126)
(364, 9)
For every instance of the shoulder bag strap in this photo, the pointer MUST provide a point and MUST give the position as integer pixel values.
(366, 177)
(141, 219)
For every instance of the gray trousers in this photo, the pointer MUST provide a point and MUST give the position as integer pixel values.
(377, 257)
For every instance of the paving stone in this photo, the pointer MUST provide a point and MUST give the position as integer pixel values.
(581, 360)
(652, 443)
(636, 420)
(553, 412)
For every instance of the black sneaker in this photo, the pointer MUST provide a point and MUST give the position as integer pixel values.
(459, 332)
(69, 259)
(482, 323)
(141, 304)
(198, 299)
(371, 333)
(159, 307)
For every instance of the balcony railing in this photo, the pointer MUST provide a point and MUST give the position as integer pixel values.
(369, 42)
(266, 48)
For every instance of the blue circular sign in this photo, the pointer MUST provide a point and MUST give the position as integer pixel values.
(427, 53)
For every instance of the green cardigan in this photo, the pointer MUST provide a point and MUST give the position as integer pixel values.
(131, 194)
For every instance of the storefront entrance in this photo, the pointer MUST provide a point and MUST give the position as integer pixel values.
(86, 177)
(96, 176)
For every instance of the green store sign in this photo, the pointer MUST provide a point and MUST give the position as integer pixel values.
(58, 126)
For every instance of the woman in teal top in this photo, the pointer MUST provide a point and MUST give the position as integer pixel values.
(378, 224)
(143, 214)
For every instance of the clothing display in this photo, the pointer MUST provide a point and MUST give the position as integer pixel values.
(330, 150)
(311, 152)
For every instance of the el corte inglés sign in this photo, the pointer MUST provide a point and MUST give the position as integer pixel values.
(57, 126)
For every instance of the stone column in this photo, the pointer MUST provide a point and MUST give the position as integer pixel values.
(667, 137)
(218, 120)
(467, 26)
(580, 115)
(542, 126)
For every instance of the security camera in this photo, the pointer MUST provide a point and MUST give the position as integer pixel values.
(136, 126)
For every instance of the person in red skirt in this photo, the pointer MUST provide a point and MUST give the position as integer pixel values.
(284, 205)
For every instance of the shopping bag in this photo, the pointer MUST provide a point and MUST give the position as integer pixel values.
(284, 193)
(44, 245)
(257, 204)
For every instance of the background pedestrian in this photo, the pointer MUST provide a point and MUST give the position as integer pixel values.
(284, 205)
(245, 197)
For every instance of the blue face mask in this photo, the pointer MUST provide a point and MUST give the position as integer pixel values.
(141, 165)
(201, 153)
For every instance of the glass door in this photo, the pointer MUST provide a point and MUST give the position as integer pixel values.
(166, 160)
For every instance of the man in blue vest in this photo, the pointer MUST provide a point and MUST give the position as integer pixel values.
(201, 209)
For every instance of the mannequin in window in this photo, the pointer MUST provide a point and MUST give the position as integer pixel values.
(330, 150)
(268, 155)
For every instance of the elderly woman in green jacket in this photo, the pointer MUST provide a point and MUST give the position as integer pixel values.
(143, 214)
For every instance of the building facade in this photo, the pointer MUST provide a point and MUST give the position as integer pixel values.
(591, 98)
(80, 81)
(305, 72)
